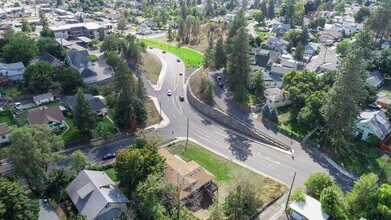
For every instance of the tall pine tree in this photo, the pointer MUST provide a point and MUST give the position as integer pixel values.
(270, 10)
(83, 116)
(264, 8)
(220, 57)
(238, 64)
(345, 98)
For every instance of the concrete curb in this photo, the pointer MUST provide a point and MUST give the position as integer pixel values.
(165, 122)
(162, 75)
(339, 168)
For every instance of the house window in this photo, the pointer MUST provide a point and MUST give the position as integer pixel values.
(207, 184)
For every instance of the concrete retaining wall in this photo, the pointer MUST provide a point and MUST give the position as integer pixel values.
(230, 121)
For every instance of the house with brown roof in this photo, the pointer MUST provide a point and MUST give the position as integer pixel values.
(189, 176)
(4, 133)
(51, 116)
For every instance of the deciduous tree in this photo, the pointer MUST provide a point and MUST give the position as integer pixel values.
(316, 183)
(333, 202)
(50, 45)
(258, 16)
(38, 77)
(33, 144)
(298, 195)
(14, 203)
(20, 48)
(56, 182)
(69, 79)
(46, 32)
(78, 161)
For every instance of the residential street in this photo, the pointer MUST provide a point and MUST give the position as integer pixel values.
(326, 55)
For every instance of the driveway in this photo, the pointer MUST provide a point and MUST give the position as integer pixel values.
(326, 55)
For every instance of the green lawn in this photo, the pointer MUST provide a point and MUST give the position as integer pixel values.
(6, 116)
(262, 33)
(111, 173)
(225, 171)
(361, 158)
(190, 57)
(72, 134)
(13, 92)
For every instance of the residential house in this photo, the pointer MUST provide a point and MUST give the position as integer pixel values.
(328, 37)
(311, 49)
(89, 29)
(272, 81)
(190, 176)
(96, 103)
(276, 97)
(145, 31)
(13, 71)
(51, 116)
(375, 78)
(277, 44)
(311, 209)
(79, 59)
(262, 60)
(383, 100)
(54, 62)
(280, 29)
(96, 196)
(372, 123)
(278, 70)
(43, 98)
(229, 17)
(327, 67)
(383, 44)
(4, 133)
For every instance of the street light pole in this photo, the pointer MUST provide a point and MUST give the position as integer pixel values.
(187, 133)
(289, 194)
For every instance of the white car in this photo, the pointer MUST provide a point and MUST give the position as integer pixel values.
(169, 92)
(18, 105)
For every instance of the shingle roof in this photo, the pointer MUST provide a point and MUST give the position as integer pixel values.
(91, 191)
(78, 58)
(43, 96)
(47, 57)
(87, 72)
(192, 175)
(310, 209)
(44, 115)
(262, 60)
(4, 129)
(95, 102)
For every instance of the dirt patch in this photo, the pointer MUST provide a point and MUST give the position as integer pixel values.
(151, 67)
(153, 114)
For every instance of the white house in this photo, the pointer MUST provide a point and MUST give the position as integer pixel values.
(372, 123)
(96, 196)
(4, 133)
(229, 17)
(43, 98)
(311, 209)
(14, 71)
(276, 97)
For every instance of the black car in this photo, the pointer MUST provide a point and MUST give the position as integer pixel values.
(221, 85)
(163, 51)
(109, 156)
(218, 78)
(178, 60)
(181, 98)
(150, 47)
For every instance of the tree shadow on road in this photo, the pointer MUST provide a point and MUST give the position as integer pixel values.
(239, 146)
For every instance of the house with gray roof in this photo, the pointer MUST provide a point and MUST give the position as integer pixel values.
(13, 71)
(79, 59)
(54, 62)
(375, 78)
(96, 196)
(43, 98)
(96, 103)
(372, 123)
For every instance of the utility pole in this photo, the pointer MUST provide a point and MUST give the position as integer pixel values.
(187, 133)
(289, 194)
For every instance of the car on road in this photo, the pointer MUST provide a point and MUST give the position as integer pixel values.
(218, 78)
(169, 93)
(374, 106)
(150, 47)
(109, 156)
(178, 60)
(163, 51)
(180, 73)
(221, 85)
(181, 98)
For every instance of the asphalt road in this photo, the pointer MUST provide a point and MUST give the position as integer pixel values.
(245, 151)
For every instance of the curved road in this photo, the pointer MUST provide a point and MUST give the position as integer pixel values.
(243, 150)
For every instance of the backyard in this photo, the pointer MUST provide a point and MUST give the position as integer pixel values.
(225, 171)
(6, 116)
(190, 57)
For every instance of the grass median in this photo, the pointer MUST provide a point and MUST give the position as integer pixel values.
(190, 57)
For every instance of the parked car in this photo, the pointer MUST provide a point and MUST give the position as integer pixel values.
(109, 156)
(181, 98)
(18, 105)
(150, 47)
(218, 78)
(374, 106)
(169, 92)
